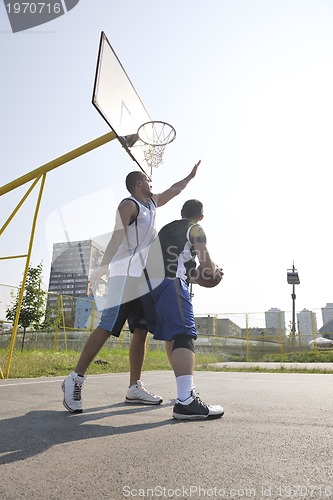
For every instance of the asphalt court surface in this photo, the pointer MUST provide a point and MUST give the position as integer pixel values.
(275, 440)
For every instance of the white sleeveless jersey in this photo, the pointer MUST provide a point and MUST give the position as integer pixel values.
(131, 256)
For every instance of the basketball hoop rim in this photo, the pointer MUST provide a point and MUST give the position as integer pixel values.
(170, 137)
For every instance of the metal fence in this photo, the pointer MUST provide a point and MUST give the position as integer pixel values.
(247, 336)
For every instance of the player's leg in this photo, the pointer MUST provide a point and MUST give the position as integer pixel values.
(175, 321)
(72, 385)
(183, 362)
(137, 354)
(183, 358)
(136, 392)
(188, 405)
(168, 350)
(112, 321)
(91, 348)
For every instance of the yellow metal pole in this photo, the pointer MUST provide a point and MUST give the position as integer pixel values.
(58, 320)
(37, 174)
(216, 332)
(280, 332)
(14, 257)
(57, 324)
(18, 206)
(247, 336)
(63, 322)
(314, 332)
(19, 305)
(1, 372)
(89, 146)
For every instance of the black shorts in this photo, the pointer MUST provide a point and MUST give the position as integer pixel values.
(114, 318)
(124, 304)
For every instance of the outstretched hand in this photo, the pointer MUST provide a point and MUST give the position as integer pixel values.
(194, 169)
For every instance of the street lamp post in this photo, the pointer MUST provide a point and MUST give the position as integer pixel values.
(293, 279)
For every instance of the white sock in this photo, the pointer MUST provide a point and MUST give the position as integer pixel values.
(184, 387)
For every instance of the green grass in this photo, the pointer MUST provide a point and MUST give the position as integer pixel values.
(48, 363)
(302, 357)
(44, 363)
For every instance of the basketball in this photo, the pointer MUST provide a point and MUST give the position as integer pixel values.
(206, 279)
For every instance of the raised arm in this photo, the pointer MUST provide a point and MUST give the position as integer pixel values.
(163, 198)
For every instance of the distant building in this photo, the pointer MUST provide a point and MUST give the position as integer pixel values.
(228, 328)
(275, 321)
(327, 313)
(211, 325)
(206, 325)
(307, 323)
(72, 265)
(327, 330)
(86, 315)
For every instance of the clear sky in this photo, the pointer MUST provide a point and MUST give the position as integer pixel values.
(248, 86)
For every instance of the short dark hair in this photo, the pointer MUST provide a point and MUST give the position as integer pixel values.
(192, 209)
(131, 179)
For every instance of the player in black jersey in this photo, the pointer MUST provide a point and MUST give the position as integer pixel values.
(182, 242)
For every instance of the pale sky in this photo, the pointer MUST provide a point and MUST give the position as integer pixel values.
(247, 85)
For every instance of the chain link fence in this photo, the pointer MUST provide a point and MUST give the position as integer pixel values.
(245, 336)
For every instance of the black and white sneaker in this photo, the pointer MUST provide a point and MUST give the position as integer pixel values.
(195, 409)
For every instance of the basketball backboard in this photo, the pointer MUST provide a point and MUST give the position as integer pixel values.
(116, 99)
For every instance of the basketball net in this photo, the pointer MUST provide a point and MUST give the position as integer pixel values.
(155, 136)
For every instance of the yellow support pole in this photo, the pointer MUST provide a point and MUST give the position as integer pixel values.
(63, 322)
(37, 174)
(314, 332)
(60, 318)
(280, 332)
(19, 305)
(247, 336)
(89, 146)
(18, 206)
(14, 257)
(216, 332)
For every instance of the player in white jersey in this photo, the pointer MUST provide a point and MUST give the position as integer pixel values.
(125, 260)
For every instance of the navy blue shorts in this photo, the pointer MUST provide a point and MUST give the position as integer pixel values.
(169, 310)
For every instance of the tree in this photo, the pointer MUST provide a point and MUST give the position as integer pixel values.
(33, 303)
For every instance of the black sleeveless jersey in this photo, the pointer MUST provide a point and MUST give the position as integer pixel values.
(177, 249)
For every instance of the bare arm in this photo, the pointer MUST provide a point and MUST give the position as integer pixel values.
(163, 198)
(209, 268)
(126, 212)
(199, 240)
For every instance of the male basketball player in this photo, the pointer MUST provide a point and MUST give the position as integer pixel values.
(125, 258)
(181, 242)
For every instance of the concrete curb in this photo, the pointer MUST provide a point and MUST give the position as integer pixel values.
(243, 365)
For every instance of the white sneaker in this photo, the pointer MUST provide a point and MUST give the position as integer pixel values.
(138, 394)
(72, 386)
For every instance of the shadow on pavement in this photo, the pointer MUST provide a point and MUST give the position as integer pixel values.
(36, 431)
